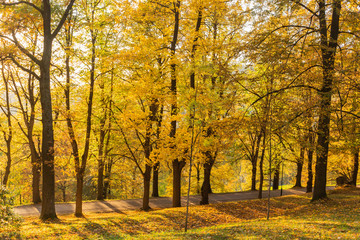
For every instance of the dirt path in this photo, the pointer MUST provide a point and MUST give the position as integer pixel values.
(155, 203)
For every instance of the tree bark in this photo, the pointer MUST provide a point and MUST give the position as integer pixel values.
(261, 164)
(206, 188)
(176, 164)
(108, 168)
(177, 169)
(355, 169)
(8, 134)
(254, 160)
(328, 52)
(155, 190)
(79, 191)
(159, 118)
(102, 135)
(310, 162)
(146, 197)
(299, 165)
(276, 177)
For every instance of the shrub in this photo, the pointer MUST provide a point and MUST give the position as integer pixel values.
(9, 222)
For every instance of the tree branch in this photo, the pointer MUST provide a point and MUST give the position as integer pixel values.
(63, 19)
(23, 2)
(23, 68)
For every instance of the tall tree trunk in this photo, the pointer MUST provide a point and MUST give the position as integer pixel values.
(261, 165)
(35, 157)
(146, 197)
(276, 177)
(78, 196)
(8, 134)
(198, 189)
(108, 161)
(310, 163)
(47, 150)
(147, 151)
(253, 175)
(328, 52)
(159, 118)
(176, 163)
(254, 160)
(206, 188)
(299, 165)
(80, 169)
(36, 176)
(64, 192)
(101, 157)
(355, 169)
(80, 164)
(155, 190)
(100, 182)
(177, 169)
(108, 168)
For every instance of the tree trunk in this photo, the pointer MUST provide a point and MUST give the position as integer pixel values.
(36, 175)
(276, 177)
(254, 159)
(101, 153)
(64, 193)
(310, 172)
(36, 165)
(47, 151)
(177, 165)
(206, 188)
(35, 157)
(8, 163)
(253, 175)
(108, 168)
(328, 50)
(355, 170)
(7, 133)
(198, 189)
(261, 181)
(79, 191)
(146, 197)
(100, 182)
(155, 190)
(177, 169)
(299, 165)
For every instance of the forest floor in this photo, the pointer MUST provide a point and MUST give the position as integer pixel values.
(291, 217)
(155, 203)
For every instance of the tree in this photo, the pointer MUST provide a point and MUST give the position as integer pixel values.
(44, 64)
(328, 48)
(8, 130)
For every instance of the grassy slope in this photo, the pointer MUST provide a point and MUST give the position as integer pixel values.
(291, 217)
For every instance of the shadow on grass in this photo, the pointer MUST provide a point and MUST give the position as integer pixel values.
(129, 226)
(113, 208)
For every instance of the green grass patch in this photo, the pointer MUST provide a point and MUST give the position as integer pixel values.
(292, 217)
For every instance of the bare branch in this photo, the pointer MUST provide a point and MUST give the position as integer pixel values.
(63, 19)
(24, 2)
(350, 33)
(23, 68)
(21, 48)
(305, 7)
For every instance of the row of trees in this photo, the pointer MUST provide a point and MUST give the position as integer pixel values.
(129, 88)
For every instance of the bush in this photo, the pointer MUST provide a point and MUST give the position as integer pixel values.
(9, 222)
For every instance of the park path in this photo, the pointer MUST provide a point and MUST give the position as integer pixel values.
(155, 203)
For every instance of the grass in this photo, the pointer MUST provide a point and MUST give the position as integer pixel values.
(292, 217)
